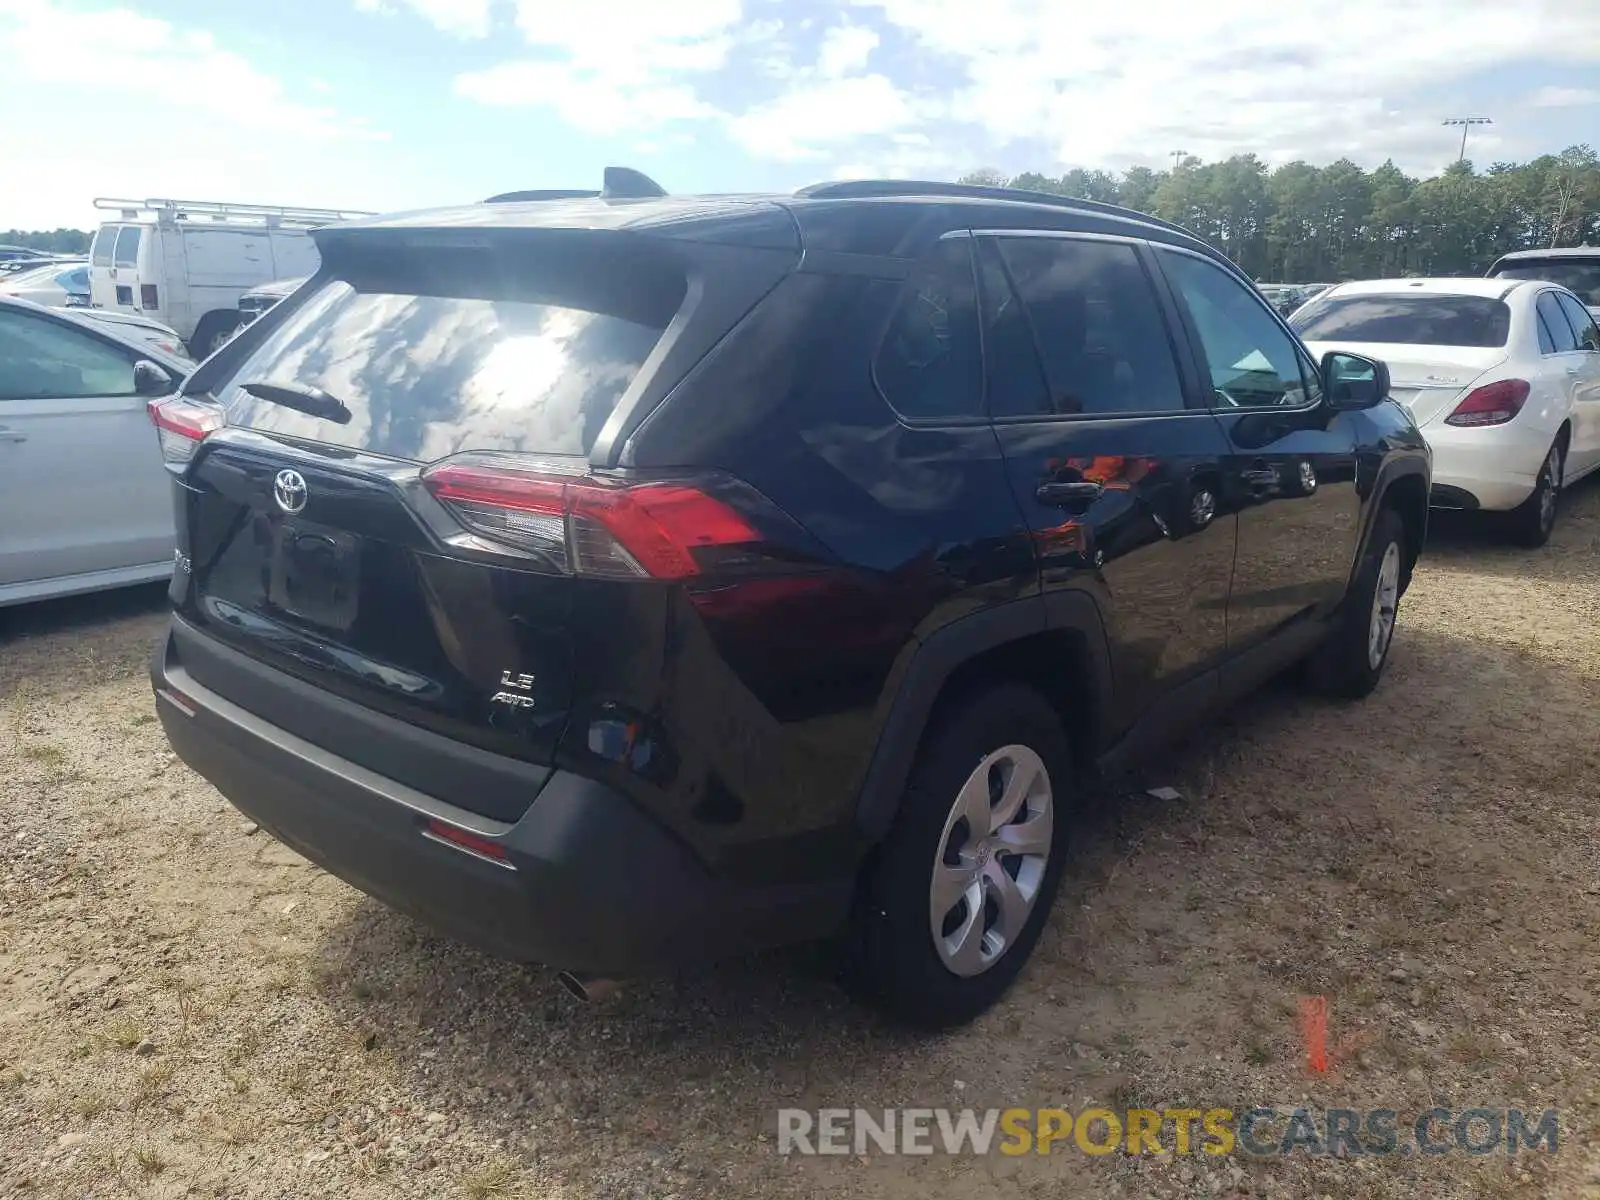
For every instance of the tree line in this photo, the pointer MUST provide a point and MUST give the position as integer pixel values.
(1301, 223)
(55, 241)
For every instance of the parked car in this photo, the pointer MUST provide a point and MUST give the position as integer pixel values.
(256, 301)
(1502, 375)
(186, 263)
(54, 285)
(138, 329)
(1576, 268)
(87, 503)
(618, 585)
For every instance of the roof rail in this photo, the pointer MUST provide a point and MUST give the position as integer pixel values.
(868, 188)
(222, 211)
(542, 194)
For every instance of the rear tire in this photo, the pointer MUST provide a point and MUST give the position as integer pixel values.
(999, 756)
(1533, 521)
(1350, 661)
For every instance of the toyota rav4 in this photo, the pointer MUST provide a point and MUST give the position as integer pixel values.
(617, 580)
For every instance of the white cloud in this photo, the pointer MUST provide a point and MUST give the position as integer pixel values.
(1563, 97)
(1109, 84)
(459, 18)
(183, 67)
(613, 65)
(804, 122)
(845, 49)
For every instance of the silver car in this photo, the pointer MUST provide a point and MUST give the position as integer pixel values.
(85, 502)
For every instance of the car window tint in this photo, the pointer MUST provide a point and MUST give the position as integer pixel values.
(1556, 322)
(1252, 360)
(1547, 342)
(127, 251)
(435, 352)
(1015, 377)
(1415, 319)
(1582, 323)
(1097, 325)
(930, 365)
(41, 359)
(1580, 275)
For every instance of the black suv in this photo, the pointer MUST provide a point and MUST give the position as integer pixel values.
(621, 580)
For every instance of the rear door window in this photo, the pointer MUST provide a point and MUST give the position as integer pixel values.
(930, 364)
(1097, 325)
(127, 249)
(439, 351)
(1561, 335)
(1582, 323)
(104, 239)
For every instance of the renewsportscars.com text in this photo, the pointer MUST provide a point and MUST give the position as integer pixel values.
(1262, 1131)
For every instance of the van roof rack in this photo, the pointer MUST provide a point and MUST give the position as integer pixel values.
(222, 212)
(853, 189)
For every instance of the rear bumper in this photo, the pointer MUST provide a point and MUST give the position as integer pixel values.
(1495, 468)
(590, 884)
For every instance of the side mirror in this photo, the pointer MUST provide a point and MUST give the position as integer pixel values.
(1350, 381)
(149, 379)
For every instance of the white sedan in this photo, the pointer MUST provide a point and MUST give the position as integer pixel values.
(1502, 376)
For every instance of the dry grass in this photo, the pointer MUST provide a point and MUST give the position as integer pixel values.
(310, 1043)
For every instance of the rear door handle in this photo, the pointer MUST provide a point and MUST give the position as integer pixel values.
(1063, 492)
(11, 435)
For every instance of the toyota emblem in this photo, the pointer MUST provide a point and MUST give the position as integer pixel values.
(289, 489)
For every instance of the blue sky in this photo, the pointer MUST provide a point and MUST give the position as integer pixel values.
(389, 104)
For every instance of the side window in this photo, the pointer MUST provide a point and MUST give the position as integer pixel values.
(42, 359)
(1015, 377)
(1547, 342)
(1556, 322)
(1097, 325)
(930, 366)
(127, 252)
(1252, 362)
(1582, 323)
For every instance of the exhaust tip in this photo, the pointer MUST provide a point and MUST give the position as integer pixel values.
(588, 987)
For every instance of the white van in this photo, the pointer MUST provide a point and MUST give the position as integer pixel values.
(186, 263)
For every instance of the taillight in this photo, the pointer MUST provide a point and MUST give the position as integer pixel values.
(148, 296)
(1492, 404)
(589, 526)
(182, 425)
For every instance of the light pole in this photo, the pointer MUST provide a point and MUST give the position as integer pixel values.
(1177, 159)
(1466, 124)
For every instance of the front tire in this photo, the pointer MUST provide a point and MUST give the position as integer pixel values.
(1350, 661)
(212, 334)
(1532, 522)
(954, 902)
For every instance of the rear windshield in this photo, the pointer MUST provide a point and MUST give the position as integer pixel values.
(1580, 275)
(442, 351)
(127, 253)
(105, 237)
(1406, 320)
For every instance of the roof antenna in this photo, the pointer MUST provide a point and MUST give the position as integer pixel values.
(624, 183)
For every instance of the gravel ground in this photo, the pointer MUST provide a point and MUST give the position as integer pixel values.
(189, 1009)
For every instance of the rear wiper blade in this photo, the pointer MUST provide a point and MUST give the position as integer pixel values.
(302, 398)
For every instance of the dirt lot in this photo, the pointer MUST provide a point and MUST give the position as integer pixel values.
(187, 1008)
